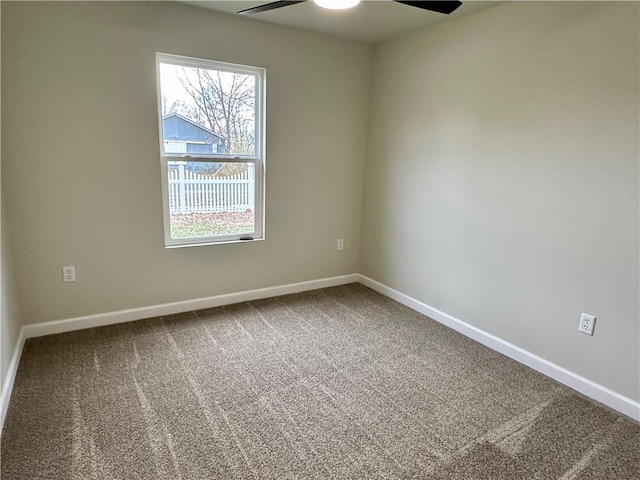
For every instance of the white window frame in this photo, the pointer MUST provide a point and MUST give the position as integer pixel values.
(257, 159)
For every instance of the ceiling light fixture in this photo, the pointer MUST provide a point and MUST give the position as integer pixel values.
(337, 4)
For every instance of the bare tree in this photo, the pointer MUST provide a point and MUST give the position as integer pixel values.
(224, 102)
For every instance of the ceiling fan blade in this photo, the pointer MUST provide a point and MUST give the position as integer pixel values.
(440, 7)
(269, 6)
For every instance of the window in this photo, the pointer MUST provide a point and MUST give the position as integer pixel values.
(212, 150)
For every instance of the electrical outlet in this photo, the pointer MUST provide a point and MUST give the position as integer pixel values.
(587, 322)
(341, 244)
(69, 274)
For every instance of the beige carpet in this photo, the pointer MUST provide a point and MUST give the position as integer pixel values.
(340, 383)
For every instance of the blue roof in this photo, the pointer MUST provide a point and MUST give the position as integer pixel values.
(179, 128)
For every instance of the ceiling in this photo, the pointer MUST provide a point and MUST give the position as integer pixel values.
(372, 21)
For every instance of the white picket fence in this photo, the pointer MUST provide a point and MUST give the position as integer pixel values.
(196, 193)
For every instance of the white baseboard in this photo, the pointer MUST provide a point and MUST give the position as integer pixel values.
(121, 316)
(7, 386)
(583, 385)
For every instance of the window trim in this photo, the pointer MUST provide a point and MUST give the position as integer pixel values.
(257, 159)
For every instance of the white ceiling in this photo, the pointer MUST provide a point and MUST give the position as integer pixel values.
(372, 21)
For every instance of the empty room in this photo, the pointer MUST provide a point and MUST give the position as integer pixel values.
(321, 239)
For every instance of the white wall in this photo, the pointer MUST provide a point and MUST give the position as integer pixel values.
(9, 309)
(81, 166)
(502, 178)
(10, 321)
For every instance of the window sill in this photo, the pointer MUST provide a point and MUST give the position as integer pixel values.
(203, 244)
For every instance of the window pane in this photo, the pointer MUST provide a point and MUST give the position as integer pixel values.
(199, 148)
(211, 198)
(208, 106)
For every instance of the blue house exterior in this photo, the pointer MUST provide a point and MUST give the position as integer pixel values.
(181, 135)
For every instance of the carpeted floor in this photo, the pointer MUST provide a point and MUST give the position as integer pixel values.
(340, 383)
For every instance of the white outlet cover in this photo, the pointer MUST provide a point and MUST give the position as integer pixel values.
(69, 274)
(587, 323)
